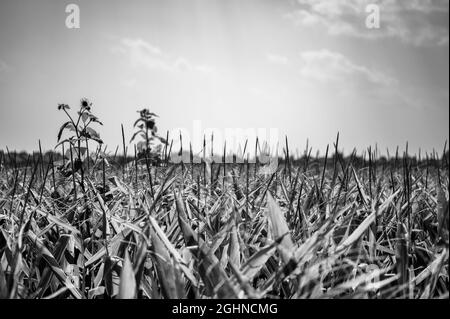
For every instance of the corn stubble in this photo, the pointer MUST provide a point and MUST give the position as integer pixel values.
(310, 229)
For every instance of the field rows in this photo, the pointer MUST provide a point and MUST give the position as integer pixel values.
(320, 230)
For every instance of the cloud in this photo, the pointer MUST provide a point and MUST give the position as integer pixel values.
(143, 54)
(416, 22)
(443, 41)
(328, 66)
(277, 59)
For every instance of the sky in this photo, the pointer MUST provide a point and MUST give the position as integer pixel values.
(306, 69)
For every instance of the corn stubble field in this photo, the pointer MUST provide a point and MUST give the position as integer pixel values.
(101, 226)
(335, 229)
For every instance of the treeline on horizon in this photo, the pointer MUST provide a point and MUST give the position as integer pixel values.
(435, 159)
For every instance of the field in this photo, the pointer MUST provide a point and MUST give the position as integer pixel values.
(330, 227)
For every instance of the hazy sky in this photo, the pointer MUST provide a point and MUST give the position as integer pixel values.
(309, 68)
